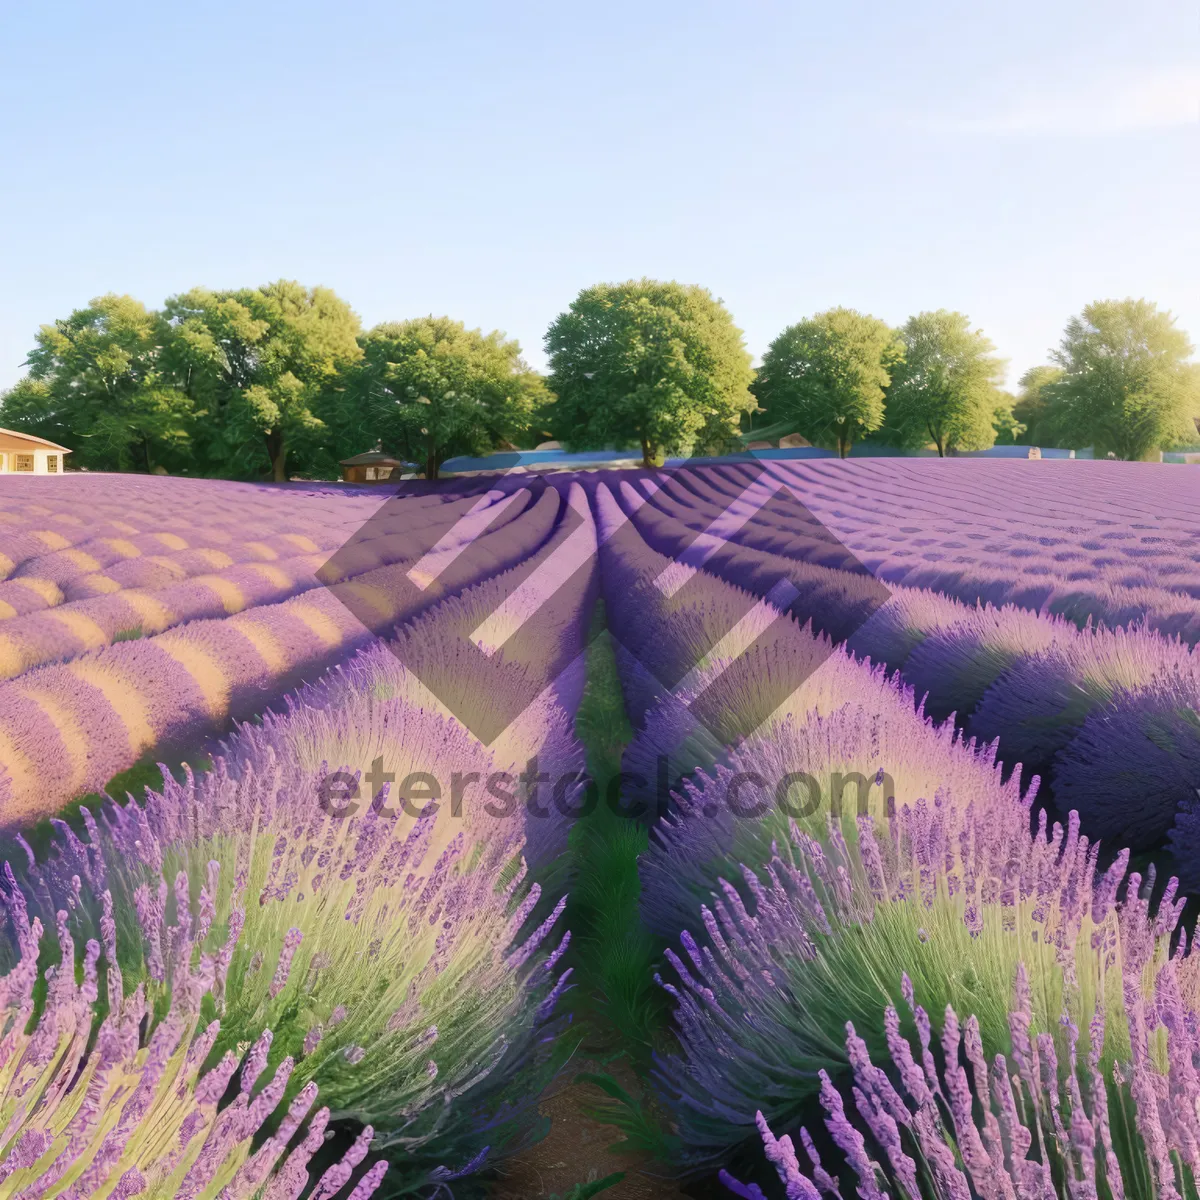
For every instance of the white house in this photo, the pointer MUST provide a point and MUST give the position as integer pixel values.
(24, 454)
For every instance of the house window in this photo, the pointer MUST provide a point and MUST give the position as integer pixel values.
(3, 462)
(52, 463)
(370, 472)
(24, 462)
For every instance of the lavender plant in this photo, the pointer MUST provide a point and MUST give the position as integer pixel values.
(1135, 764)
(899, 625)
(790, 779)
(387, 949)
(956, 664)
(786, 674)
(122, 1098)
(950, 1132)
(1037, 706)
(542, 733)
(830, 928)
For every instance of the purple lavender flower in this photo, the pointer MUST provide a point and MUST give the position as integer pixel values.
(424, 904)
(940, 902)
(993, 1133)
(127, 1092)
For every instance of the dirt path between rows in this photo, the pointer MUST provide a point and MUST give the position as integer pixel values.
(576, 1150)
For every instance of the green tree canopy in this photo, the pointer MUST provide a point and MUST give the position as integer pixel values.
(254, 362)
(1007, 427)
(96, 383)
(657, 365)
(827, 376)
(945, 389)
(430, 388)
(1030, 408)
(1127, 386)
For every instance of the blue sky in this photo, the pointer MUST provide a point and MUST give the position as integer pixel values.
(1011, 159)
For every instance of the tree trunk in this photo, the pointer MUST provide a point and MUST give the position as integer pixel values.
(146, 454)
(432, 464)
(277, 451)
(649, 454)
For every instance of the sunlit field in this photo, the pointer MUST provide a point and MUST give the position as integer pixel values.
(806, 827)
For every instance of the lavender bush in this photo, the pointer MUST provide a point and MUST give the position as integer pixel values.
(829, 930)
(1135, 764)
(387, 949)
(1048, 1120)
(124, 1098)
(957, 662)
(1038, 705)
(787, 783)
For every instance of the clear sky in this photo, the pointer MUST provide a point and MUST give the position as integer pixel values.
(1014, 159)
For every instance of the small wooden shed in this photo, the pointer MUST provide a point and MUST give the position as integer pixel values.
(374, 466)
(24, 454)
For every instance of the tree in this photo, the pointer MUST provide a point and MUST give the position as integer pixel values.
(657, 365)
(1127, 386)
(1030, 408)
(430, 388)
(96, 383)
(1007, 428)
(945, 389)
(255, 362)
(827, 376)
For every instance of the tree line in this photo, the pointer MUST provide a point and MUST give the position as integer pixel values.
(1121, 380)
(282, 380)
(266, 382)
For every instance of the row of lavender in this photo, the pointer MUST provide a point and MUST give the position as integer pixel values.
(41, 518)
(138, 541)
(1107, 564)
(817, 942)
(69, 588)
(1107, 716)
(67, 728)
(73, 627)
(255, 933)
(937, 898)
(970, 524)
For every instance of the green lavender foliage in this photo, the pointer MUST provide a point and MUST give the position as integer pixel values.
(614, 953)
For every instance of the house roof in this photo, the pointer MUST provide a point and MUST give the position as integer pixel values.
(374, 458)
(29, 437)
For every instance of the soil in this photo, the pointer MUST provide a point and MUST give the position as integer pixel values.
(577, 1150)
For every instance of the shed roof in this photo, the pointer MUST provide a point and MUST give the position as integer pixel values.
(37, 441)
(374, 458)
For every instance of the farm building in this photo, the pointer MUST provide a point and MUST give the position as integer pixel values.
(373, 467)
(22, 453)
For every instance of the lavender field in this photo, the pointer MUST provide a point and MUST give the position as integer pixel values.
(813, 828)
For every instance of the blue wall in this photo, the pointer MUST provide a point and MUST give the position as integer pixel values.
(506, 460)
